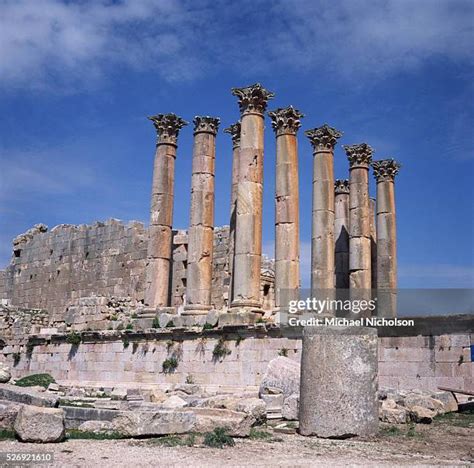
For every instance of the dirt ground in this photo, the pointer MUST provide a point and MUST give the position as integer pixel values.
(448, 441)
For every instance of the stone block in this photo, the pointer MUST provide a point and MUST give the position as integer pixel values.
(153, 423)
(34, 424)
(237, 424)
(27, 396)
(282, 374)
(237, 319)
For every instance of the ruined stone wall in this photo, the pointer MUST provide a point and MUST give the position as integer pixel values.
(406, 362)
(54, 269)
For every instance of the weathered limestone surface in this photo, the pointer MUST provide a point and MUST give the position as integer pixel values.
(201, 226)
(341, 233)
(385, 172)
(373, 243)
(234, 131)
(282, 375)
(286, 123)
(248, 243)
(153, 423)
(237, 424)
(8, 414)
(323, 140)
(27, 396)
(35, 424)
(338, 395)
(405, 362)
(52, 268)
(160, 232)
(360, 157)
(5, 373)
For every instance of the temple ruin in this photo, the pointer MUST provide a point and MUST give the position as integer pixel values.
(115, 283)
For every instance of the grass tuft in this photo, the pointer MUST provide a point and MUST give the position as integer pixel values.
(35, 379)
(6, 434)
(73, 338)
(256, 434)
(170, 365)
(218, 438)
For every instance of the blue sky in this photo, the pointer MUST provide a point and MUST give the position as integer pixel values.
(77, 80)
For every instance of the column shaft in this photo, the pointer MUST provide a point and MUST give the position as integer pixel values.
(373, 243)
(201, 225)
(323, 140)
(385, 172)
(234, 131)
(160, 235)
(248, 239)
(359, 222)
(287, 243)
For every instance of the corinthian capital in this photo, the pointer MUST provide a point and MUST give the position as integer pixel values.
(341, 186)
(253, 99)
(359, 155)
(167, 127)
(206, 124)
(286, 121)
(234, 131)
(385, 170)
(323, 138)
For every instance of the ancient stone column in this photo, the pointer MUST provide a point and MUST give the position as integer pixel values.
(286, 123)
(248, 241)
(201, 225)
(373, 244)
(385, 172)
(160, 236)
(360, 157)
(338, 391)
(234, 131)
(341, 233)
(323, 140)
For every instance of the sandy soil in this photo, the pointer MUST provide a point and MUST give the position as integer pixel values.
(448, 442)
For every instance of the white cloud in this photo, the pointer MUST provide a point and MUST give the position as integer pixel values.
(376, 36)
(52, 43)
(44, 42)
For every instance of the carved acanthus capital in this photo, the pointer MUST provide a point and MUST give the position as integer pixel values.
(359, 155)
(286, 121)
(234, 131)
(323, 138)
(385, 170)
(206, 124)
(253, 99)
(341, 186)
(167, 127)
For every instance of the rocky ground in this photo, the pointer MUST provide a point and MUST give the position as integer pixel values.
(449, 440)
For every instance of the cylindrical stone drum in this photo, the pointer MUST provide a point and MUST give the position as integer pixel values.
(338, 392)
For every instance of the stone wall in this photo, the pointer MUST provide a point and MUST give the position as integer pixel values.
(55, 269)
(405, 362)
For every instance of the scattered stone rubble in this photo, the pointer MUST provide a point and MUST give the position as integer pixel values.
(403, 406)
(39, 415)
